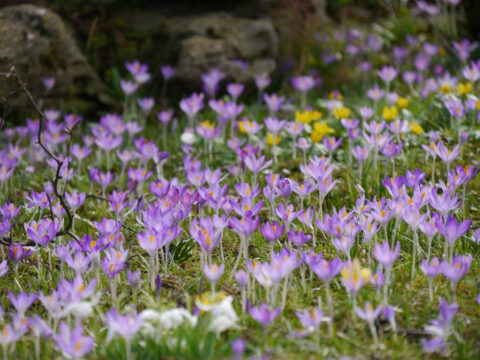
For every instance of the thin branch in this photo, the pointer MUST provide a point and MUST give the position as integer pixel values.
(22, 87)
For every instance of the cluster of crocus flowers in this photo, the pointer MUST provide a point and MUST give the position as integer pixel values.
(214, 216)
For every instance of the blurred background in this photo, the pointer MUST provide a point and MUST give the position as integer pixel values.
(84, 44)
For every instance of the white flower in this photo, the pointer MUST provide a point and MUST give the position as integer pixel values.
(187, 138)
(81, 309)
(223, 315)
(173, 318)
(155, 323)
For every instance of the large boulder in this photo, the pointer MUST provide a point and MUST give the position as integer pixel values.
(197, 44)
(37, 42)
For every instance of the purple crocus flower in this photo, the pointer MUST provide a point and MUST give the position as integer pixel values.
(102, 179)
(457, 269)
(72, 342)
(256, 165)
(165, 116)
(211, 80)
(213, 273)
(246, 225)
(388, 73)
(375, 93)
(286, 213)
(414, 178)
(413, 217)
(274, 102)
(464, 174)
(274, 125)
(79, 262)
(128, 87)
(311, 319)
(241, 277)
(108, 227)
(369, 313)
(80, 152)
(324, 269)
(43, 232)
(451, 229)
(134, 278)
(385, 255)
(432, 269)
(9, 211)
(360, 153)
(75, 200)
(167, 72)
(76, 290)
(298, 238)
(476, 236)
(22, 301)
(444, 203)
(205, 234)
(146, 104)
(263, 314)
(238, 348)
(447, 155)
(272, 232)
(440, 328)
(16, 252)
(125, 325)
(3, 268)
(117, 201)
(303, 83)
(262, 82)
(235, 90)
(136, 67)
(49, 83)
(192, 105)
(399, 127)
(331, 143)
(5, 226)
(324, 186)
(151, 242)
(114, 261)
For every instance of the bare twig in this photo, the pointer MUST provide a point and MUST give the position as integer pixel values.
(96, 197)
(22, 87)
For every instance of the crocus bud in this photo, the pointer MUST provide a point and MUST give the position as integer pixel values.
(241, 278)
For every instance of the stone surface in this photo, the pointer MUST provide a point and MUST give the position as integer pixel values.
(38, 43)
(218, 40)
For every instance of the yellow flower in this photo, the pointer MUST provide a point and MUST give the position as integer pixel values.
(271, 138)
(402, 102)
(390, 113)
(355, 272)
(415, 128)
(465, 88)
(304, 117)
(207, 124)
(315, 136)
(241, 127)
(341, 112)
(316, 115)
(478, 104)
(208, 300)
(445, 88)
(335, 95)
(320, 129)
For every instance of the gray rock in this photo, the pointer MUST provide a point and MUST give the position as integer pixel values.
(39, 44)
(218, 40)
